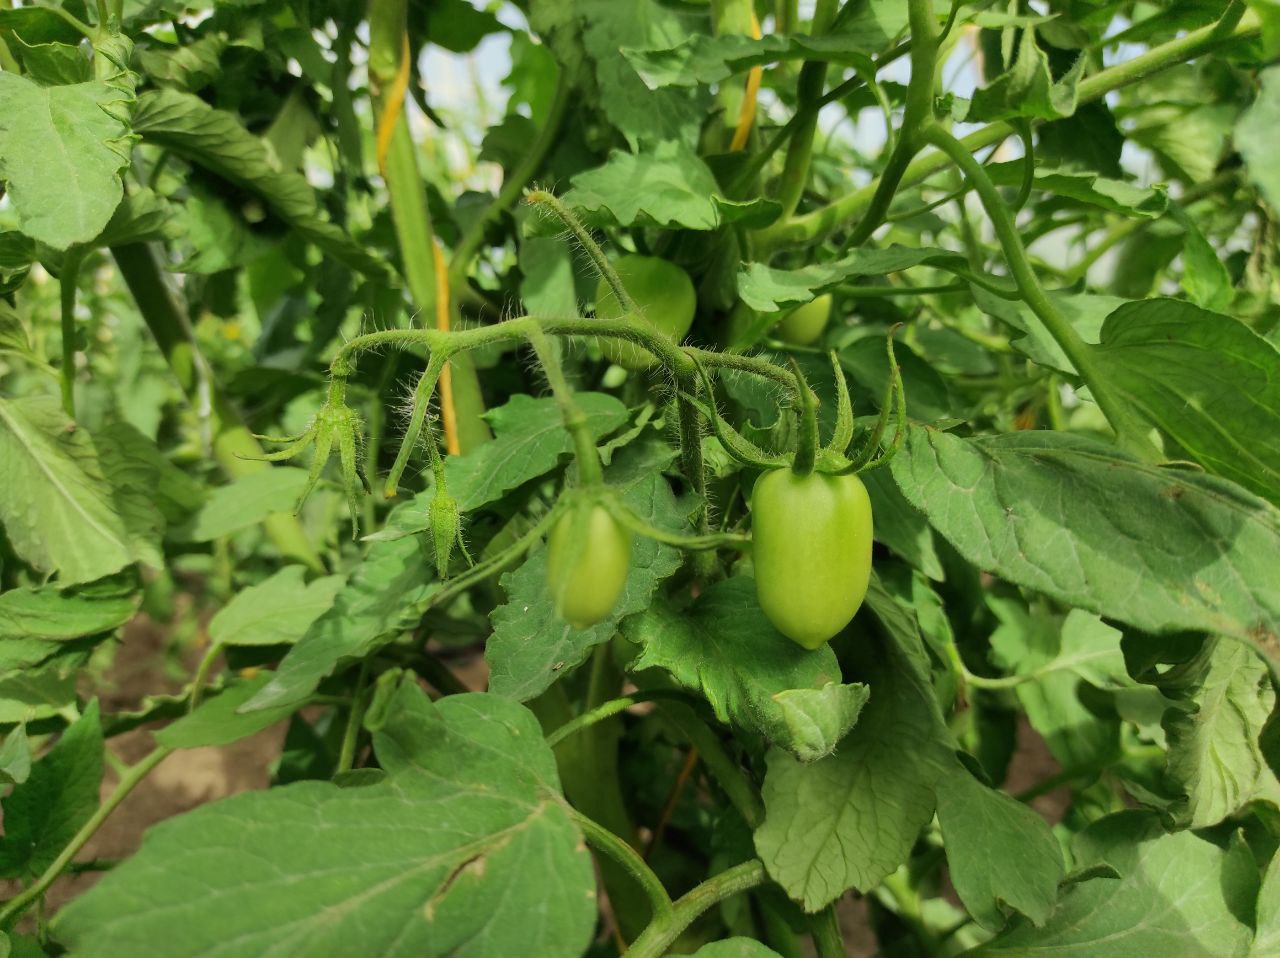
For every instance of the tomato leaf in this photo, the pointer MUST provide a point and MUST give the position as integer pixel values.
(1161, 549)
(418, 863)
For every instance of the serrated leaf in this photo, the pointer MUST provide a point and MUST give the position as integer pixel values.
(1168, 899)
(640, 114)
(1257, 137)
(62, 149)
(1026, 89)
(723, 648)
(218, 721)
(1087, 187)
(1055, 656)
(56, 504)
(1224, 699)
(1160, 549)
(531, 647)
(44, 813)
(666, 186)
(1206, 380)
(768, 289)
(704, 59)
(275, 611)
(528, 440)
(248, 500)
(48, 613)
(216, 140)
(382, 596)
(421, 863)
(15, 757)
(1000, 853)
(850, 819)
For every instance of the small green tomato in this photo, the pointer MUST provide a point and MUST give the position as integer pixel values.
(588, 556)
(804, 325)
(811, 547)
(662, 290)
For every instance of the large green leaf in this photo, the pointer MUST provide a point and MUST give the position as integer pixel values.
(667, 186)
(850, 819)
(1257, 137)
(529, 440)
(753, 676)
(1161, 549)
(214, 139)
(51, 614)
(640, 114)
(1170, 896)
(430, 861)
(1223, 699)
(1000, 853)
(384, 595)
(276, 611)
(58, 508)
(1206, 380)
(768, 288)
(62, 149)
(1026, 89)
(44, 813)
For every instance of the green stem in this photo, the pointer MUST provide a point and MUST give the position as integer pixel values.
(916, 117)
(662, 932)
(813, 76)
(575, 420)
(67, 290)
(351, 734)
(513, 185)
(825, 927)
(823, 221)
(878, 292)
(728, 773)
(135, 774)
(202, 674)
(608, 710)
(910, 910)
(1130, 431)
(603, 840)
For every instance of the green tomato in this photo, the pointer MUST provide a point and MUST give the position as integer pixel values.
(804, 324)
(662, 290)
(811, 546)
(588, 555)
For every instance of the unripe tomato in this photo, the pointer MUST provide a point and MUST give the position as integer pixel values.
(804, 324)
(588, 555)
(811, 546)
(662, 290)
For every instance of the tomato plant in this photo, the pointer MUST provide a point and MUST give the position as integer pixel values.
(439, 447)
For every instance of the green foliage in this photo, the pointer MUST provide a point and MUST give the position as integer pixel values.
(299, 402)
